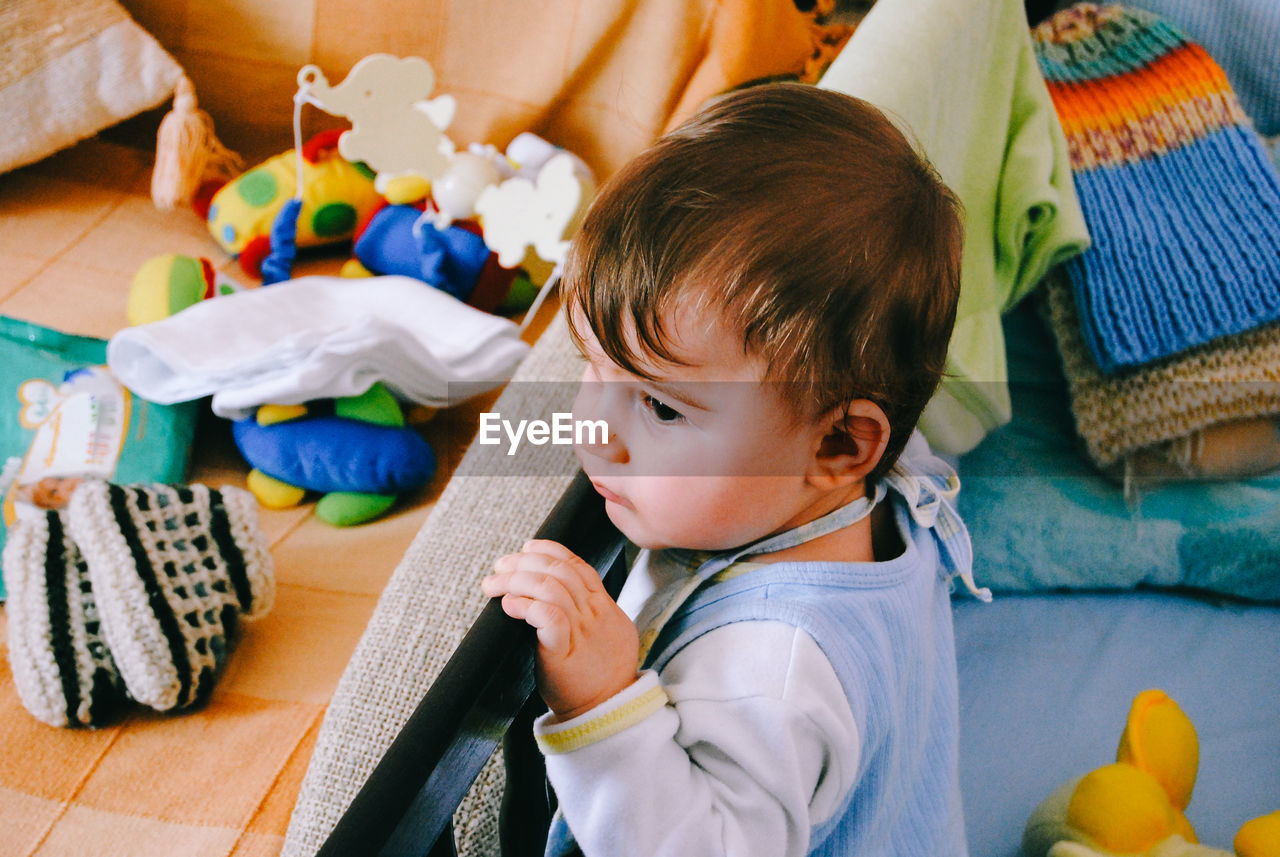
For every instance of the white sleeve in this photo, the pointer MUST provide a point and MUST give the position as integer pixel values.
(744, 745)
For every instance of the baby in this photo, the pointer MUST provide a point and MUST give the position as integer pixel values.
(764, 300)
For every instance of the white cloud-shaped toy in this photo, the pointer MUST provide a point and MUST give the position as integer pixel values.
(394, 129)
(519, 214)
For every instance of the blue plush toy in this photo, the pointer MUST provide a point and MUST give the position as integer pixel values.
(397, 239)
(361, 455)
(395, 242)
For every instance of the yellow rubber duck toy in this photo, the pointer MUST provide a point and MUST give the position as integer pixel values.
(1135, 807)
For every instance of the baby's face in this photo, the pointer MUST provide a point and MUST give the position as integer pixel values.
(710, 456)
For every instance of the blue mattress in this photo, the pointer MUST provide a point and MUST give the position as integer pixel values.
(1045, 686)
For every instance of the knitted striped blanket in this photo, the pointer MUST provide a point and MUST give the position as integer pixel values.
(1180, 198)
(1241, 36)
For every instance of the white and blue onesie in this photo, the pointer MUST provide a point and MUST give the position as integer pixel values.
(787, 708)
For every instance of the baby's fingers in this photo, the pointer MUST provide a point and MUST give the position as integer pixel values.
(533, 585)
(549, 548)
(549, 620)
(573, 574)
(562, 558)
(554, 633)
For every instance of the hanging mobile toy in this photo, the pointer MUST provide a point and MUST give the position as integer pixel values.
(527, 201)
(522, 215)
(395, 131)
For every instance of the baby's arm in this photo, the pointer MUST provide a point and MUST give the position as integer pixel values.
(746, 743)
(588, 648)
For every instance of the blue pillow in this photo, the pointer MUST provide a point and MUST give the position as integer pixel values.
(1042, 517)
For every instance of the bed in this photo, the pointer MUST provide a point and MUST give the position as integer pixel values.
(1048, 670)
(316, 693)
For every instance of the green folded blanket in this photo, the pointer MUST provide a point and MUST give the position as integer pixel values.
(963, 78)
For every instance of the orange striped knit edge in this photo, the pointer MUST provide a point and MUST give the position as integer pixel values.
(1179, 98)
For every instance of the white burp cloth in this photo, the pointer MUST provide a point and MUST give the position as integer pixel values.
(318, 337)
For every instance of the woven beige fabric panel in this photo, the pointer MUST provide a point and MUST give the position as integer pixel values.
(68, 69)
(1231, 378)
(430, 602)
(37, 33)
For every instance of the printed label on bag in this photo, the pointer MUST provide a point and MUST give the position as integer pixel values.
(78, 431)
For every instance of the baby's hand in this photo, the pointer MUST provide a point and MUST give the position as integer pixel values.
(587, 647)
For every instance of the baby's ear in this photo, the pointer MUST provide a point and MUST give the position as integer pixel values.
(853, 441)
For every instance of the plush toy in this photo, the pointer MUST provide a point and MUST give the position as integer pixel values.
(1135, 806)
(170, 283)
(336, 196)
(486, 230)
(454, 259)
(355, 450)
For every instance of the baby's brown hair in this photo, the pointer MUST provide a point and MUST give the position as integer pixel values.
(807, 221)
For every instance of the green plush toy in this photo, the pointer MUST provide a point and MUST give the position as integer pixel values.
(170, 283)
(1135, 807)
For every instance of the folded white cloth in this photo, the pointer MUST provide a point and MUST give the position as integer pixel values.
(316, 338)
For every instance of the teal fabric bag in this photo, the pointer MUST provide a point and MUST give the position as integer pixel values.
(64, 417)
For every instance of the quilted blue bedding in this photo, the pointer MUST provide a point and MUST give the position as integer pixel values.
(1045, 686)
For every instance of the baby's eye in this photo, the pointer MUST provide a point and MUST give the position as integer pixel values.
(663, 412)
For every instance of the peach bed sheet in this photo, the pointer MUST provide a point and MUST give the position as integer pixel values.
(221, 780)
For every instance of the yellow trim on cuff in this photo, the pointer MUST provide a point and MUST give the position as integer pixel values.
(610, 723)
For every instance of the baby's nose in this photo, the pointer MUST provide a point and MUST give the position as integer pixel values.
(609, 447)
(593, 407)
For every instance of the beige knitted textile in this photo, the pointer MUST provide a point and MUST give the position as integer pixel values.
(62, 668)
(132, 592)
(429, 604)
(1231, 378)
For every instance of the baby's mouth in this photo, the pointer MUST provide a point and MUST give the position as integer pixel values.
(609, 495)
